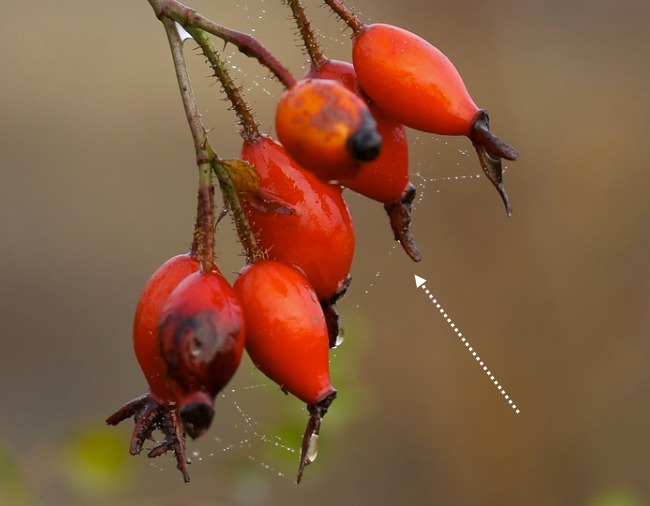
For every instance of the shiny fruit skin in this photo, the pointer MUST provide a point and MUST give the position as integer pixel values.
(326, 128)
(412, 80)
(286, 333)
(147, 314)
(385, 178)
(201, 333)
(336, 70)
(317, 235)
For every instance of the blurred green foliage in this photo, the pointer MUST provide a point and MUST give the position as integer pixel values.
(96, 461)
(14, 489)
(618, 497)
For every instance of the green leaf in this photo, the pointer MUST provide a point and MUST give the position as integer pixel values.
(242, 175)
(246, 181)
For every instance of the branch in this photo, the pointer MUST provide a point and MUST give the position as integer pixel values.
(203, 152)
(207, 159)
(188, 18)
(203, 241)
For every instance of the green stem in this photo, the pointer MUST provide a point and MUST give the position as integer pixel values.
(188, 18)
(346, 15)
(312, 47)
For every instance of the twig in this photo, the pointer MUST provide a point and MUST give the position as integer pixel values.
(346, 15)
(231, 198)
(203, 151)
(307, 33)
(250, 129)
(203, 241)
(188, 18)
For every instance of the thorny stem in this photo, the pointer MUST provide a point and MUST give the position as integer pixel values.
(250, 129)
(203, 241)
(346, 15)
(205, 217)
(231, 199)
(188, 18)
(207, 159)
(203, 152)
(307, 33)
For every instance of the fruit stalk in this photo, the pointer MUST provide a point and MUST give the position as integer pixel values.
(307, 33)
(207, 159)
(346, 15)
(249, 126)
(250, 131)
(231, 198)
(203, 241)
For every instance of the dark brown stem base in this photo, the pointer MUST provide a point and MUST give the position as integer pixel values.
(150, 415)
(334, 325)
(316, 413)
(399, 213)
(332, 317)
(491, 150)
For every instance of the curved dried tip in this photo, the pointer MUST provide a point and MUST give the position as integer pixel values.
(399, 213)
(491, 150)
(149, 415)
(309, 448)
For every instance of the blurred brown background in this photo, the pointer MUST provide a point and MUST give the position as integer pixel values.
(97, 188)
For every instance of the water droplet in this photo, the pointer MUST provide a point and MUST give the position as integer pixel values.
(312, 449)
(339, 340)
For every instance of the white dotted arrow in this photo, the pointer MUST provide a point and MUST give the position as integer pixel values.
(419, 283)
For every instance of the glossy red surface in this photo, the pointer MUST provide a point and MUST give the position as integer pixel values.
(286, 334)
(385, 178)
(317, 235)
(147, 314)
(201, 335)
(412, 80)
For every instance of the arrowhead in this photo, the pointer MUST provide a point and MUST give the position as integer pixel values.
(419, 281)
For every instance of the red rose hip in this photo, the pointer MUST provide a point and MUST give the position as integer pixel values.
(287, 337)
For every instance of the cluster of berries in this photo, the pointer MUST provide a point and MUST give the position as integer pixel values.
(341, 126)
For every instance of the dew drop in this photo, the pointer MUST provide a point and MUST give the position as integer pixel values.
(339, 340)
(312, 450)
